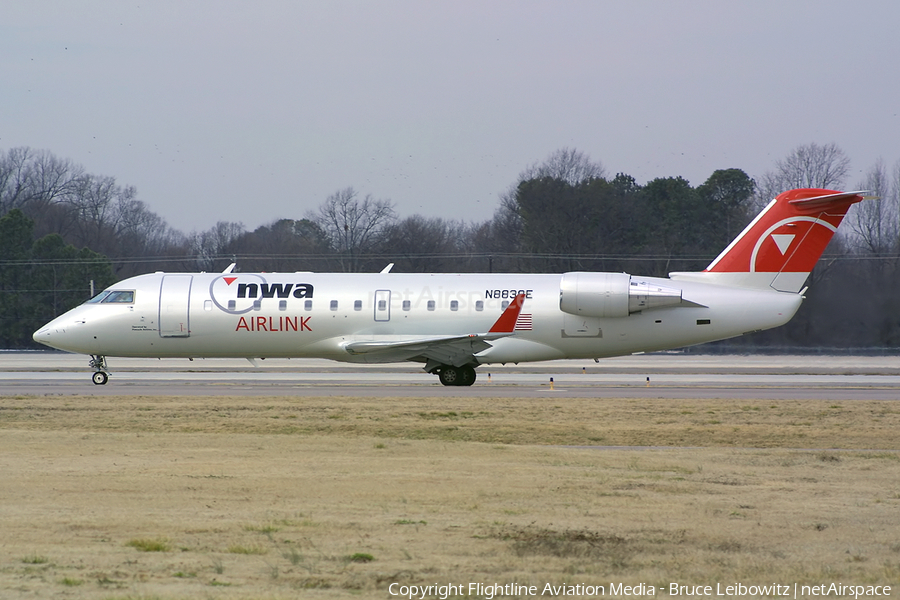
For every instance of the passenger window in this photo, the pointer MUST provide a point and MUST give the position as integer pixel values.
(232, 304)
(257, 304)
(357, 305)
(307, 305)
(207, 305)
(282, 305)
(504, 304)
(479, 305)
(454, 305)
(334, 305)
(382, 305)
(431, 305)
(406, 304)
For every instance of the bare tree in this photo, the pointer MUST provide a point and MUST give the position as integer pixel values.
(808, 166)
(208, 245)
(31, 180)
(90, 202)
(52, 178)
(815, 166)
(93, 204)
(874, 222)
(353, 226)
(138, 231)
(420, 244)
(895, 197)
(567, 164)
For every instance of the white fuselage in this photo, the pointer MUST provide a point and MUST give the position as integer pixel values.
(319, 314)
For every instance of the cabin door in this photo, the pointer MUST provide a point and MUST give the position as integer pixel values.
(174, 302)
(383, 305)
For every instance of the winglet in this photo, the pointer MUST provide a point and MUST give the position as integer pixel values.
(507, 321)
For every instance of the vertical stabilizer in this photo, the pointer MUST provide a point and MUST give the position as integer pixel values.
(780, 247)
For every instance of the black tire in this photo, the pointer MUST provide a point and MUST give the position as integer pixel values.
(449, 376)
(100, 378)
(466, 376)
(457, 375)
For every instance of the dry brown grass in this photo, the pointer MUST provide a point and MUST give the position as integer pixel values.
(851, 424)
(168, 498)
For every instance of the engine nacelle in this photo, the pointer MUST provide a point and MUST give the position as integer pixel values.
(609, 295)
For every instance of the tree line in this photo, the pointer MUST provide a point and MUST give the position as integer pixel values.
(63, 230)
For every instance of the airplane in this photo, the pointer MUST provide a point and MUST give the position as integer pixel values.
(454, 323)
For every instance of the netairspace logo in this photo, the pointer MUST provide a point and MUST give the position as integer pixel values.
(489, 591)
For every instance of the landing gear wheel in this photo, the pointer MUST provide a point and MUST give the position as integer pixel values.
(449, 376)
(464, 375)
(100, 378)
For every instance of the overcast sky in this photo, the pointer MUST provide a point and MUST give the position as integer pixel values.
(252, 111)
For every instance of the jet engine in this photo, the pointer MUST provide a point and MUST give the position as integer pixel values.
(605, 295)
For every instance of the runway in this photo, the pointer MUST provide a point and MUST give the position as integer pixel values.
(676, 376)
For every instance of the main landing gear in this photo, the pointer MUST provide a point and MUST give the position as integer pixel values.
(98, 363)
(450, 375)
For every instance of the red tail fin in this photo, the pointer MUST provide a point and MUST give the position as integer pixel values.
(782, 244)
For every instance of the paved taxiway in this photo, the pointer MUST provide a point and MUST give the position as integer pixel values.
(642, 376)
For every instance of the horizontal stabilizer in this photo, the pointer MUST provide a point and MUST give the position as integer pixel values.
(817, 202)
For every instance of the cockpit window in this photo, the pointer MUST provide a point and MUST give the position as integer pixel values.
(113, 297)
(119, 297)
(98, 298)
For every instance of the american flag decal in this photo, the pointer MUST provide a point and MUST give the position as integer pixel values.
(523, 323)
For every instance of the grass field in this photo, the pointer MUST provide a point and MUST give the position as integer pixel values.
(269, 498)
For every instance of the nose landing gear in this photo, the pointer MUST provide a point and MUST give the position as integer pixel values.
(98, 363)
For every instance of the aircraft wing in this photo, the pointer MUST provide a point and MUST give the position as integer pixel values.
(456, 350)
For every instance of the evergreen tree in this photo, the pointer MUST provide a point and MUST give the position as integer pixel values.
(41, 279)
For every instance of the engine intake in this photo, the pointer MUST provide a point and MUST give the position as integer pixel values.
(606, 295)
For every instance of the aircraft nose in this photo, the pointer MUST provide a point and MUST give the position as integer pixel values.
(46, 334)
(68, 332)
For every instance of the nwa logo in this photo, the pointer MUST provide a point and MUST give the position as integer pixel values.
(778, 248)
(274, 290)
(239, 297)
